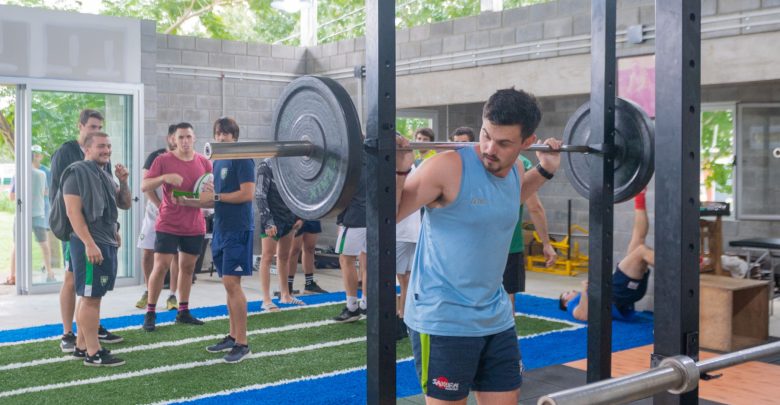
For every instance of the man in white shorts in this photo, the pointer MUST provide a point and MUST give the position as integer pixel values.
(350, 244)
(148, 236)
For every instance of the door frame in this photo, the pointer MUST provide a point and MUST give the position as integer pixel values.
(23, 142)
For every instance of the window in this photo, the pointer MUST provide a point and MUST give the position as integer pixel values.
(759, 169)
(718, 153)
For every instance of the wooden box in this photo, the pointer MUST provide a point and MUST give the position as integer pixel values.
(734, 313)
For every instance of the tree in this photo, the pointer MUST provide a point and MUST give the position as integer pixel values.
(717, 150)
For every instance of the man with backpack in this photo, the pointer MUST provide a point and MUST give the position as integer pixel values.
(70, 152)
(91, 201)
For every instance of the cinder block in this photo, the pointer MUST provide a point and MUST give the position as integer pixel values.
(222, 60)
(502, 37)
(169, 56)
(464, 25)
(515, 17)
(180, 42)
(234, 47)
(401, 36)
(257, 49)
(236, 104)
(580, 24)
(441, 29)
(162, 41)
(338, 61)
(208, 45)
(183, 100)
(530, 33)
(246, 88)
(409, 50)
(329, 49)
(735, 6)
(346, 46)
(195, 86)
(247, 62)
(194, 58)
(419, 33)
(258, 104)
(478, 40)
(543, 11)
(296, 66)
(572, 7)
(149, 60)
(208, 102)
(283, 51)
(488, 20)
(454, 43)
(169, 115)
(647, 15)
(558, 28)
(271, 64)
(148, 42)
(431, 47)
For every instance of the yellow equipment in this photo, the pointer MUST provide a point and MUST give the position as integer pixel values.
(570, 261)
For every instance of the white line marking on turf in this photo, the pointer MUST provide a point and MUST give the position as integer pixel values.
(271, 384)
(174, 367)
(173, 343)
(547, 318)
(211, 318)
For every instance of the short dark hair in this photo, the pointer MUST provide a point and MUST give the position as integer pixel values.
(426, 132)
(171, 129)
(183, 125)
(562, 304)
(86, 114)
(513, 107)
(92, 135)
(226, 125)
(468, 131)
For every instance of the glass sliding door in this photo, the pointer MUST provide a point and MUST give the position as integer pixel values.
(55, 121)
(759, 164)
(7, 186)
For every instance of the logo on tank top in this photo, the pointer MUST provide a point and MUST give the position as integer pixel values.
(478, 201)
(444, 384)
(223, 173)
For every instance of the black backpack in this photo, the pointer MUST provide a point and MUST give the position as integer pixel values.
(58, 217)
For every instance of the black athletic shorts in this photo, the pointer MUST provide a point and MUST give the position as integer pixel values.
(171, 244)
(514, 273)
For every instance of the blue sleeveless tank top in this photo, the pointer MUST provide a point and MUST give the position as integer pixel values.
(456, 283)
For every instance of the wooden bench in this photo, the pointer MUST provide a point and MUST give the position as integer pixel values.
(734, 313)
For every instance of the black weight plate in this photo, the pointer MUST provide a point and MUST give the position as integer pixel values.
(318, 110)
(634, 157)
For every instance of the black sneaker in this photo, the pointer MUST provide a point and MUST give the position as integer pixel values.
(347, 316)
(103, 358)
(104, 336)
(79, 354)
(223, 345)
(313, 288)
(237, 353)
(363, 311)
(68, 342)
(149, 320)
(185, 317)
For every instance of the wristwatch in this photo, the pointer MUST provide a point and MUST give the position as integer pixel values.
(216, 197)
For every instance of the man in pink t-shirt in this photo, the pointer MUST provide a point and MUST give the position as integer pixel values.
(179, 229)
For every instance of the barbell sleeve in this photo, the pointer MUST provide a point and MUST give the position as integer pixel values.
(260, 149)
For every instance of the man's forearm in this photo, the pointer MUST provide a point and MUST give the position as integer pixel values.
(123, 199)
(539, 218)
(150, 184)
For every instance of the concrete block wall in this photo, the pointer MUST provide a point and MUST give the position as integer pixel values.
(488, 33)
(202, 96)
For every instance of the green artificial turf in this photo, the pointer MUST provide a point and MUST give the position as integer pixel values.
(178, 383)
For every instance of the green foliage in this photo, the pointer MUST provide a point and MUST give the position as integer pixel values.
(717, 150)
(6, 206)
(407, 126)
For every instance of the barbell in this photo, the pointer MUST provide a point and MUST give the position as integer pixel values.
(317, 131)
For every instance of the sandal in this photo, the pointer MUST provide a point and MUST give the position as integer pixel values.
(295, 301)
(269, 307)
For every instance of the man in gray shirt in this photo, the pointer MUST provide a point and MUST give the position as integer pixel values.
(91, 200)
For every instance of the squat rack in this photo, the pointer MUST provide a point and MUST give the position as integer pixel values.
(677, 161)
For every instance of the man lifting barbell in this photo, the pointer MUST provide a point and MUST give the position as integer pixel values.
(459, 317)
(629, 281)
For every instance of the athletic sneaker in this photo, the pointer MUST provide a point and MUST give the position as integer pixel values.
(314, 288)
(68, 342)
(103, 358)
(104, 336)
(363, 311)
(277, 294)
(79, 354)
(223, 345)
(141, 304)
(171, 303)
(347, 316)
(186, 317)
(149, 320)
(237, 353)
